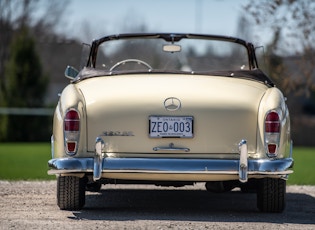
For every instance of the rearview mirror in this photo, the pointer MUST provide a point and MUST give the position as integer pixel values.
(172, 48)
(71, 72)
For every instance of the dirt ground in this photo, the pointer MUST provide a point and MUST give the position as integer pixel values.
(32, 205)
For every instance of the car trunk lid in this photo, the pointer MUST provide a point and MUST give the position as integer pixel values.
(223, 110)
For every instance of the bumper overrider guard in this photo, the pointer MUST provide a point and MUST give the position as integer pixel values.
(171, 169)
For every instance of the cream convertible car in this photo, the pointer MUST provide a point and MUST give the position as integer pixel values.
(171, 110)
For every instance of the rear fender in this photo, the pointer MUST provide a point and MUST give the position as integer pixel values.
(71, 97)
(273, 100)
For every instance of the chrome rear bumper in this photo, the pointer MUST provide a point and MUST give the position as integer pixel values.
(197, 167)
(171, 169)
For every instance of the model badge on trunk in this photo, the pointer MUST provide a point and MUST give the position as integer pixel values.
(117, 133)
(172, 104)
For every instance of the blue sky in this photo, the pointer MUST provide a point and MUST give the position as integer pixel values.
(95, 18)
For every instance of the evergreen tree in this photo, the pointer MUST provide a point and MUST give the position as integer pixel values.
(25, 86)
(3, 117)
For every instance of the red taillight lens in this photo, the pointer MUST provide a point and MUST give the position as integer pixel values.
(272, 123)
(71, 131)
(72, 121)
(272, 133)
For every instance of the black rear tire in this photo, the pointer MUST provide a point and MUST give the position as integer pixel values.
(70, 192)
(271, 195)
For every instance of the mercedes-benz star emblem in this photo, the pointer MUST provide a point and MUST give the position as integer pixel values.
(172, 104)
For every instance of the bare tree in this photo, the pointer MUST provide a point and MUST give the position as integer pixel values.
(292, 23)
(40, 16)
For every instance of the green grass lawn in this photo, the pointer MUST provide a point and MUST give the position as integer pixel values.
(24, 161)
(28, 161)
(304, 170)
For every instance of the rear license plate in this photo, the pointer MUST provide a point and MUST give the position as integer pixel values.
(163, 126)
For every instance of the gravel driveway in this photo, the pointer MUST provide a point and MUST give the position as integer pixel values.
(32, 205)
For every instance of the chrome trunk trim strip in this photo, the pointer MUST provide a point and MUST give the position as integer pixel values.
(171, 147)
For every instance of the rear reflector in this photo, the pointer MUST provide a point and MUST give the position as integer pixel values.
(71, 146)
(272, 148)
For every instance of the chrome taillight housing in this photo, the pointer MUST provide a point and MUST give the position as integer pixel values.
(272, 133)
(71, 131)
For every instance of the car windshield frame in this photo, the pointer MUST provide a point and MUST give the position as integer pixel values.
(252, 73)
(170, 38)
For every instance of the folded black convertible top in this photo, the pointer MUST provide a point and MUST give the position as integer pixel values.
(255, 74)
